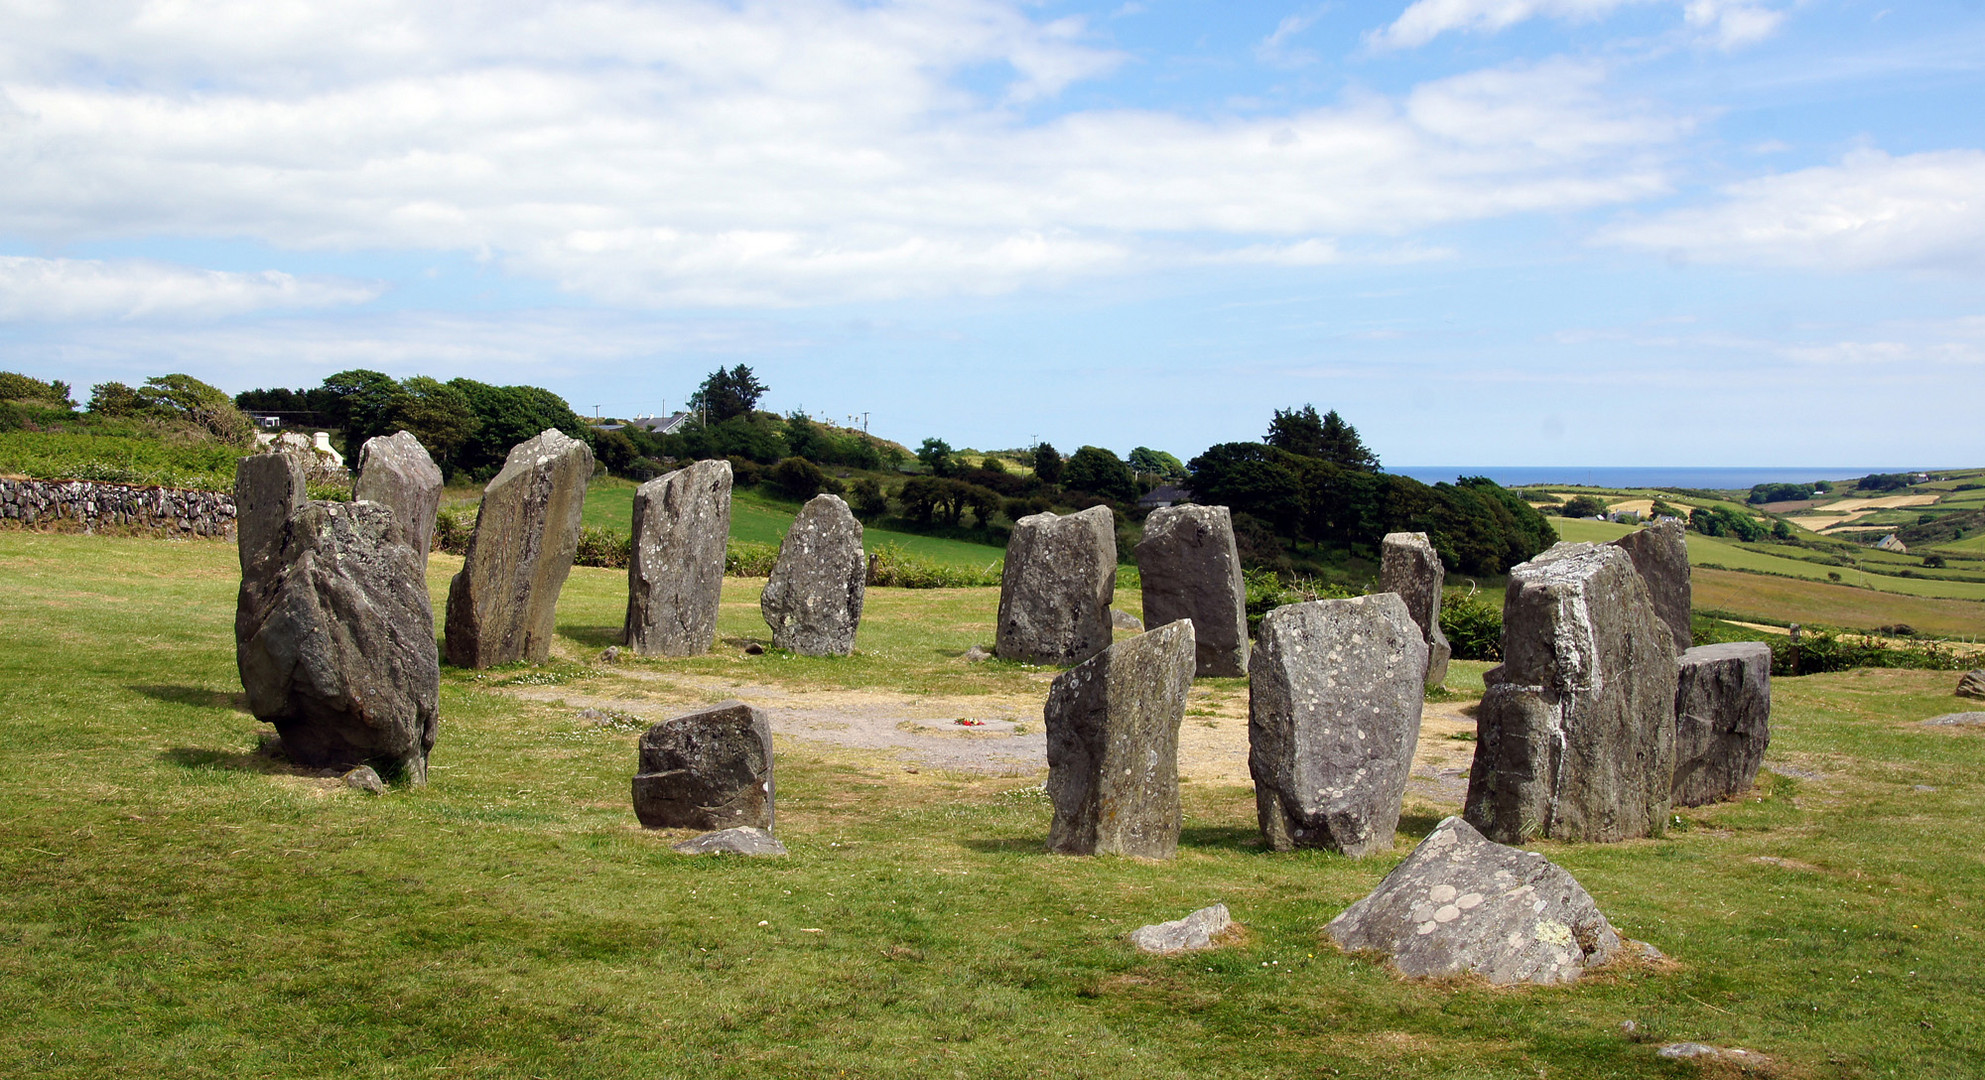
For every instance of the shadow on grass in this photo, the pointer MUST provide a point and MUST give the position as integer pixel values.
(598, 637)
(1197, 837)
(197, 696)
(265, 761)
(1419, 823)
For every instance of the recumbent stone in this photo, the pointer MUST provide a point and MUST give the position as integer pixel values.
(710, 769)
(1722, 720)
(1334, 696)
(503, 605)
(1056, 588)
(813, 600)
(1113, 746)
(675, 568)
(1191, 570)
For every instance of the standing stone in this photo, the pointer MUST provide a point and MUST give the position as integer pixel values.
(1660, 553)
(1576, 734)
(813, 600)
(708, 770)
(268, 488)
(395, 470)
(1722, 720)
(503, 605)
(1056, 588)
(1113, 747)
(675, 569)
(334, 638)
(1409, 566)
(1191, 571)
(1461, 904)
(1334, 695)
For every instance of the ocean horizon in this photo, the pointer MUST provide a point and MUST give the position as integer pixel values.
(1645, 476)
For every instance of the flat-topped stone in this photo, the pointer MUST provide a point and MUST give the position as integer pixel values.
(1722, 720)
(1334, 696)
(503, 605)
(1190, 569)
(1056, 587)
(813, 600)
(1113, 746)
(675, 566)
(710, 769)
(1410, 567)
(396, 471)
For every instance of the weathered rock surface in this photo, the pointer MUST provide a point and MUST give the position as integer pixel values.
(1722, 720)
(1191, 570)
(502, 605)
(395, 470)
(365, 779)
(742, 840)
(1409, 566)
(711, 769)
(1113, 747)
(1972, 685)
(675, 568)
(1055, 592)
(1461, 904)
(1660, 553)
(334, 638)
(1957, 719)
(813, 600)
(1124, 620)
(1576, 735)
(1334, 696)
(1190, 934)
(268, 488)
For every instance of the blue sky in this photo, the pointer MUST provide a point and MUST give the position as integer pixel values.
(1489, 232)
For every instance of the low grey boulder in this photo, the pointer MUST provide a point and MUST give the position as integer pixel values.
(710, 769)
(395, 470)
(1410, 567)
(365, 779)
(1124, 620)
(503, 605)
(334, 639)
(1190, 569)
(1575, 736)
(1113, 747)
(1463, 904)
(813, 600)
(1193, 933)
(1722, 720)
(1972, 685)
(675, 565)
(1334, 697)
(742, 840)
(1956, 719)
(1056, 588)
(1660, 554)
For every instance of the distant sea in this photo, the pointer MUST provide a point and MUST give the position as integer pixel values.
(1640, 476)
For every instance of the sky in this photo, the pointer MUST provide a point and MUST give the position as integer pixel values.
(1486, 232)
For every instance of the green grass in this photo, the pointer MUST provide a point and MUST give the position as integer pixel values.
(762, 518)
(177, 905)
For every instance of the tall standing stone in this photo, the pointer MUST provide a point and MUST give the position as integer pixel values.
(503, 605)
(1056, 588)
(334, 639)
(813, 600)
(1722, 720)
(396, 471)
(1191, 570)
(1409, 566)
(1660, 552)
(1334, 695)
(1576, 734)
(710, 769)
(268, 488)
(1113, 747)
(675, 569)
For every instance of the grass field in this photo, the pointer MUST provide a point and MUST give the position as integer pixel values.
(176, 904)
(1823, 604)
(764, 519)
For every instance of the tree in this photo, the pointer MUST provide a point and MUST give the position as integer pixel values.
(867, 499)
(1582, 506)
(802, 479)
(1047, 463)
(1099, 472)
(506, 416)
(1341, 445)
(438, 415)
(1157, 463)
(114, 399)
(727, 394)
(15, 386)
(178, 397)
(936, 454)
(1328, 437)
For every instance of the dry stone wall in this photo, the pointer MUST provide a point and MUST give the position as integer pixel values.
(87, 506)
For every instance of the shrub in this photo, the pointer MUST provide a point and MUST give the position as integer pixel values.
(452, 528)
(1474, 627)
(1268, 590)
(867, 499)
(891, 566)
(1820, 651)
(17, 387)
(802, 479)
(1582, 506)
(604, 548)
(742, 558)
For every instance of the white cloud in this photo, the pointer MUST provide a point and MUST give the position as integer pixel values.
(1871, 211)
(779, 151)
(34, 289)
(1725, 24)
(1276, 48)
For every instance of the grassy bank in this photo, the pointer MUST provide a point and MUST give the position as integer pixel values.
(177, 904)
